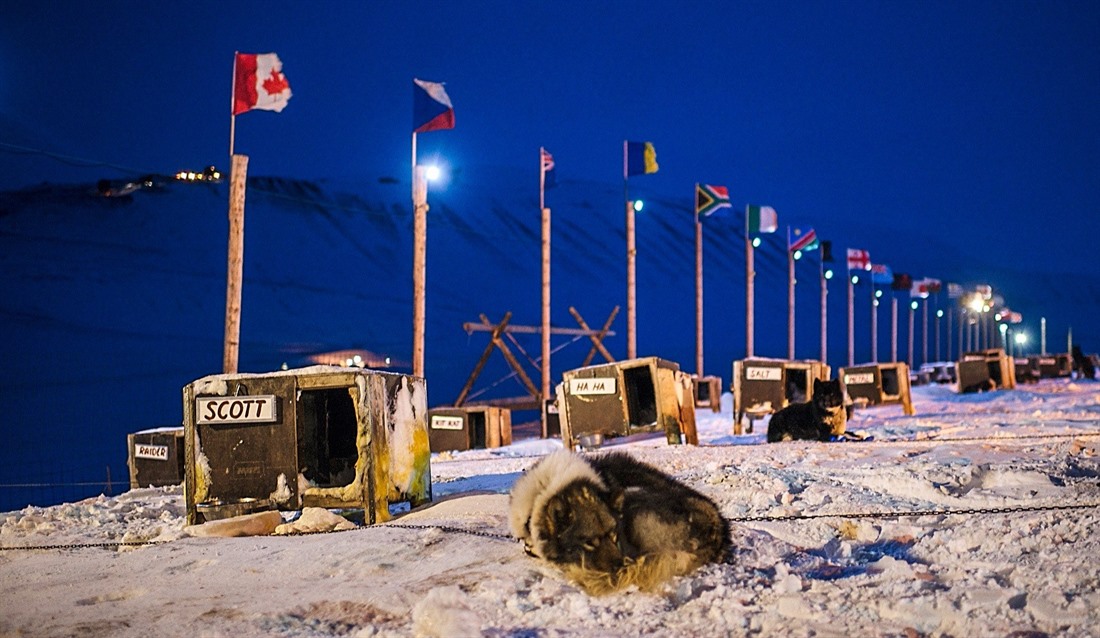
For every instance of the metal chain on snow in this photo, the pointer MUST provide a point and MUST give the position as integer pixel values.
(104, 545)
(916, 513)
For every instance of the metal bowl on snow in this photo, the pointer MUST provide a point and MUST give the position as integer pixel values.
(591, 441)
(216, 508)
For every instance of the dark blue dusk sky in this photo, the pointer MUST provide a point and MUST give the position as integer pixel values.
(975, 118)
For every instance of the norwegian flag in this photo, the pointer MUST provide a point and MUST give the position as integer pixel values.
(858, 259)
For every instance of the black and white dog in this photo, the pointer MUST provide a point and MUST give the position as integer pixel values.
(611, 521)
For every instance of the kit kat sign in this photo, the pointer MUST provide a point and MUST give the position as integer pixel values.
(243, 409)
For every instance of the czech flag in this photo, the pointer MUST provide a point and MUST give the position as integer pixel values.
(432, 110)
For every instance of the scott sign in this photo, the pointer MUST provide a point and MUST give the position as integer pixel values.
(242, 409)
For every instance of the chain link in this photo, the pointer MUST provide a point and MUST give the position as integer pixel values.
(916, 513)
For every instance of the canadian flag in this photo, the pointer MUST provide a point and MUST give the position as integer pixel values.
(259, 83)
(858, 259)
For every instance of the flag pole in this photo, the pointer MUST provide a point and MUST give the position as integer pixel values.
(749, 276)
(874, 321)
(545, 219)
(233, 106)
(824, 311)
(631, 256)
(894, 327)
(698, 290)
(924, 332)
(790, 297)
(420, 223)
(851, 319)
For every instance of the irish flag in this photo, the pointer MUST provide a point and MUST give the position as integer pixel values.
(762, 219)
(259, 83)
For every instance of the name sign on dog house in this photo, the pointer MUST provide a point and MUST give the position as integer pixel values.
(446, 422)
(598, 385)
(238, 409)
(764, 374)
(152, 452)
(859, 378)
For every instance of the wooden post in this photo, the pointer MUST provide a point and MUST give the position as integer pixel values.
(238, 179)
(893, 328)
(924, 333)
(851, 321)
(912, 317)
(493, 339)
(698, 296)
(824, 316)
(874, 323)
(749, 293)
(631, 299)
(545, 306)
(790, 298)
(420, 259)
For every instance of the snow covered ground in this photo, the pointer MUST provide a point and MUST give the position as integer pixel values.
(849, 561)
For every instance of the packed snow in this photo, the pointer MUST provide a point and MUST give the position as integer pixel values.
(974, 517)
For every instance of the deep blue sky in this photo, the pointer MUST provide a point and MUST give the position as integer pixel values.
(977, 118)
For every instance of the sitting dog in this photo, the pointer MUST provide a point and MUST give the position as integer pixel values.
(611, 521)
(820, 419)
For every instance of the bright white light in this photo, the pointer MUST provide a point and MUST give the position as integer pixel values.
(1021, 338)
(638, 205)
(829, 273)
(855, 279)
(939, 313)
(913, 305)
(997, 317)
(797, 255)
(878, 294)
(975, 303)
(432, 172)
(756, 242)
(1003, 328)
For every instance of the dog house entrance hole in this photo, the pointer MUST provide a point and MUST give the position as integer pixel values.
(476, 419)
(891, 385)
(327, 430)
(798, 385)
(995, 372)
(641, 396)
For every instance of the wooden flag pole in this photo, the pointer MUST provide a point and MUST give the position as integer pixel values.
(824, 313)
(420, 252)
(238, 178)
(912, 320)
(698, 291)
(749, 293)
(851, 320)
(631, 265)
(545, 222)
(874, 322)
(894, 328)
(790, 298)
(924, 332)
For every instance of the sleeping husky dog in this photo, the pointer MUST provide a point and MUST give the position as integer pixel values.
(822, 418)
(611, 521)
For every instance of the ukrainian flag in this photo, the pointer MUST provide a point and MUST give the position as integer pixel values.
(639, 158)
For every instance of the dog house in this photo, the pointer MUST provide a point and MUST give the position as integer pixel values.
(1027, 369)
(988, 369)
(469, 428)
(155, 457)
(625, 398)
(320, 436)
(879, 384)
(762, 386)
(1053, 366)
(708, 392)
(941, 372)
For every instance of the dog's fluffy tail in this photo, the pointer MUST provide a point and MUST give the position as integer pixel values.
(648, 573)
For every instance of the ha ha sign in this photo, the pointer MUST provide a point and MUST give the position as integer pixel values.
(239, 409)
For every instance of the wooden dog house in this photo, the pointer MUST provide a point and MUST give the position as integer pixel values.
(763, 386)
(320, 436)
(625, 398)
